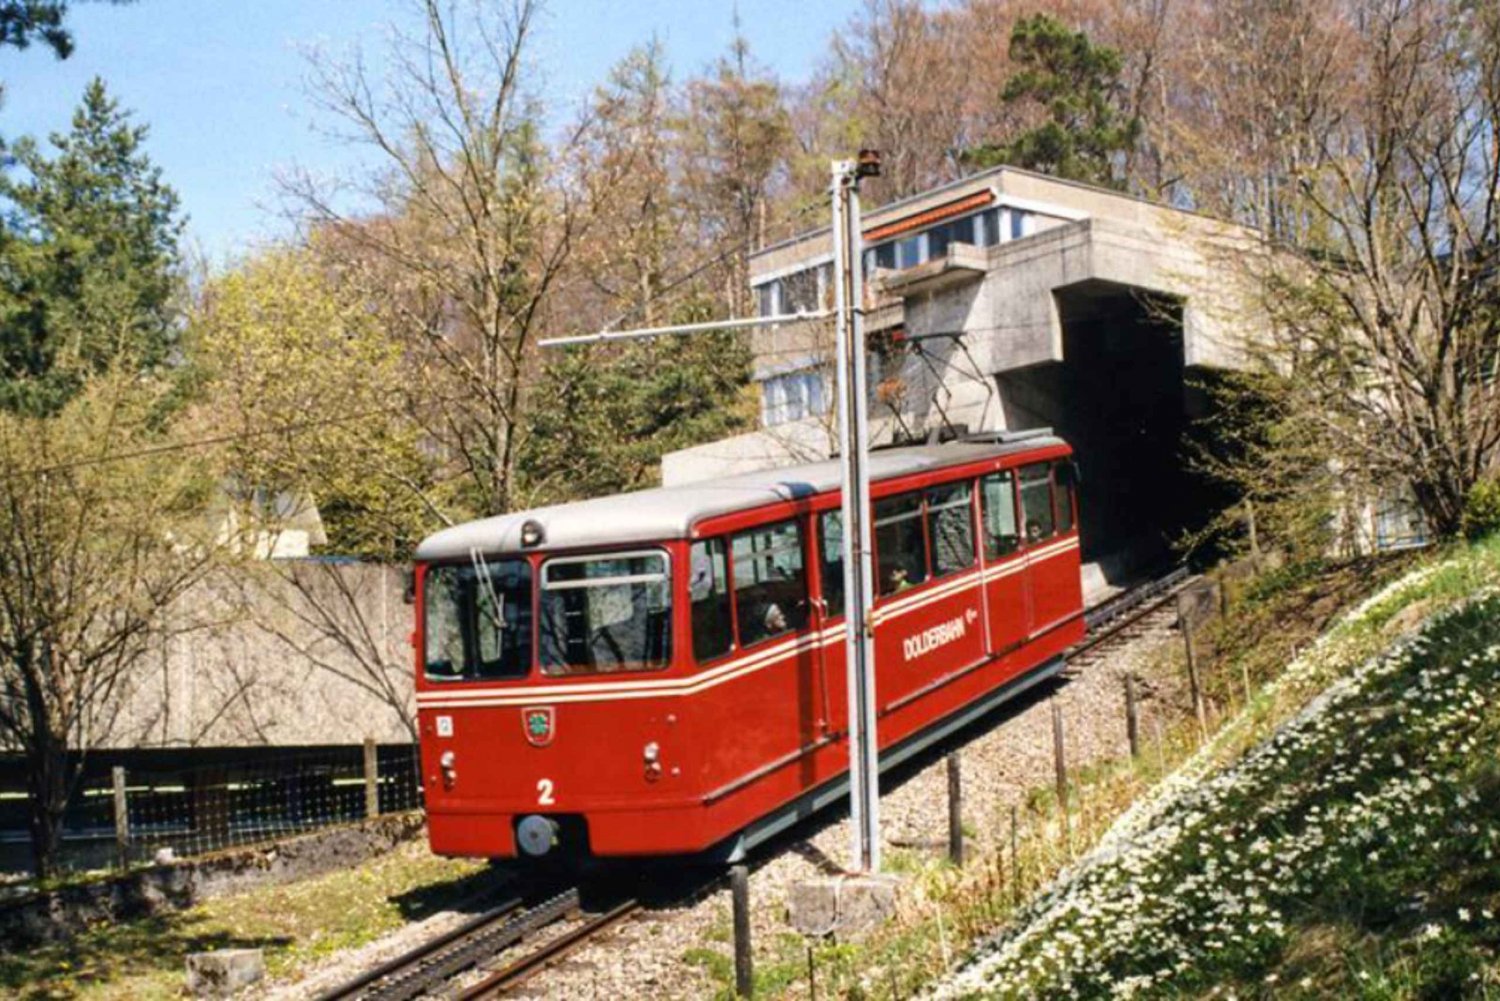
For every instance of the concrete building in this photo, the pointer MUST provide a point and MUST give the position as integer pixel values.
(1012, 300)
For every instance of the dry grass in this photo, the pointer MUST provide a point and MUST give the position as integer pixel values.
(296, 925)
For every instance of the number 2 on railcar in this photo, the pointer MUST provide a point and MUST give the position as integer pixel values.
(663, 672)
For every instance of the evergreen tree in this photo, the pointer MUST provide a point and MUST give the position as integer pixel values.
(617, 409)
(21, 21)
(88, 258)
(1077, 83)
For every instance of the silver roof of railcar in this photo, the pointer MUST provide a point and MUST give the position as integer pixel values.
(671, 512)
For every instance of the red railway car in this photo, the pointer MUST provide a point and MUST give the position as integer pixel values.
(662, 672)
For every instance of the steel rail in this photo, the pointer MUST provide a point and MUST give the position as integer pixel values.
(1110, 618)
(417, 971)
(548, 953)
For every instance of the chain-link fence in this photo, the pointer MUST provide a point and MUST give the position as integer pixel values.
(136, 811)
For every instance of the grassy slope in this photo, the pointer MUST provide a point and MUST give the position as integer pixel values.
(296, 925)
(1350, 853)
(945, 910)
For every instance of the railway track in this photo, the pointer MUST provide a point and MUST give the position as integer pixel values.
(432, 966)
(1121, 617)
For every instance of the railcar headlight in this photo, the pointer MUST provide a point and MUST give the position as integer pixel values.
(532, 533)
(652, 753)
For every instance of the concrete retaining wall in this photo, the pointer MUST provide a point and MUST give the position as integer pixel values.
(59, 914)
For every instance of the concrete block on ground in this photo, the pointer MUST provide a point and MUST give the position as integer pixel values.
(841, 905)
(222, 972)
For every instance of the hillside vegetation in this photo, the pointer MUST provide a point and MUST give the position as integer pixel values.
(1337, 840)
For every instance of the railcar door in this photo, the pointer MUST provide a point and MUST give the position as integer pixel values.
(927, 606)
(1007, 596)
(763, 701)
(1052, 578)
(830, 619)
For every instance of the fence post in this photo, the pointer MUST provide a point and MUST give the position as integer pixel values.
(1185, 623)
(955, 810)
(372, 779)
(122, 818)
(739, 883)
(1059, 760)
(1015, 856)
(1132, 717)
(1254, 539)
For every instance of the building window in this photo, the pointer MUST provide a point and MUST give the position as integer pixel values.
(766, 298)
(911, 251)
(792, 396)
(1398, 522)
(979, 230)
(800, 293)
(987, 226)
(1020, 223)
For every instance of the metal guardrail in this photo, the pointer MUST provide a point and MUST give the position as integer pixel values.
(1106, 611)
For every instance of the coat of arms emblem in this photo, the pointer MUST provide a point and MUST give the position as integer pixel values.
(539, 722)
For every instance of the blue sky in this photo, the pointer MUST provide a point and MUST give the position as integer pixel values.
(220, 82)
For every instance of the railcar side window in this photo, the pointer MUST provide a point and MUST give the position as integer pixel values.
(477, 620)
(770, 586)
(1036, 501)
(708, 586)
(950, 526)
(1062, 490)
(1001, 537)
(831, 541)
(900, 546)
(606, 613)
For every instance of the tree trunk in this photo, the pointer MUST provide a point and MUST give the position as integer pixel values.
(47, 783)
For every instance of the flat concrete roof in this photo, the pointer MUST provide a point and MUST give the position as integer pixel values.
(892, 211)
(671, 512)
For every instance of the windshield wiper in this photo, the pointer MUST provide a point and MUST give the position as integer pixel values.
(482, 571)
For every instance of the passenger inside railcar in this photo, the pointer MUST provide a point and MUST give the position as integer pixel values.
(999, 505)
(900, 545)
(770, 585)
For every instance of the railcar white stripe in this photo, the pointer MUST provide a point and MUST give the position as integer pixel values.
(732, 669)
(756, 659)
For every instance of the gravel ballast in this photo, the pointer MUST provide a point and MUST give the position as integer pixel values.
(646, 956)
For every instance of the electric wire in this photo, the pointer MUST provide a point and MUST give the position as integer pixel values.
(302, 427)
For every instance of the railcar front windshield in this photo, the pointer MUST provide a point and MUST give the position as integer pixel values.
(477, 619)
(610, 612)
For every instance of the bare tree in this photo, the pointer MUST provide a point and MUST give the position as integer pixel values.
(101, 531)
(463, 234)
(336, 617)
(733, 141)
(1384, 296)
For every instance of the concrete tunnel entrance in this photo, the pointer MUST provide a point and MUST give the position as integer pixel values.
(1121, 398)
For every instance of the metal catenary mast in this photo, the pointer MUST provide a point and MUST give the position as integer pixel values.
(853, 402)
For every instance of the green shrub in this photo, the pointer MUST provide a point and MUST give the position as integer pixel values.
(1482, 509)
